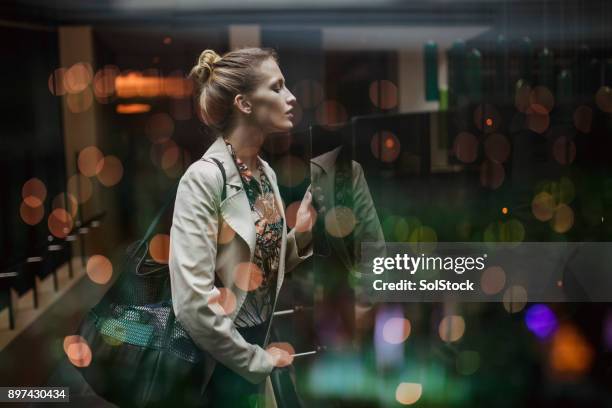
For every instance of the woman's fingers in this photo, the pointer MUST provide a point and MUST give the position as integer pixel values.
(279, 357)
(306, 214)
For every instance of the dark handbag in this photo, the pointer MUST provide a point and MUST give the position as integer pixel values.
(141, 355)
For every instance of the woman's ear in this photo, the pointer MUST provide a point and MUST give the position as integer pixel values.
(242, 104)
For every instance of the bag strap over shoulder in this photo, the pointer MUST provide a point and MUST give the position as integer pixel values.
(222, 169)
(171, 195)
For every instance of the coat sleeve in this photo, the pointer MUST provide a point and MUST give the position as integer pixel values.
(299, 248)
(193, 250)
(367, 229)
(367, 225)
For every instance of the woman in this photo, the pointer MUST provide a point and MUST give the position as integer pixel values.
(228, 257)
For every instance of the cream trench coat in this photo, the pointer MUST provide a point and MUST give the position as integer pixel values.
(196, 257)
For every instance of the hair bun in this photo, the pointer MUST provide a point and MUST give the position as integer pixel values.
(204, 68)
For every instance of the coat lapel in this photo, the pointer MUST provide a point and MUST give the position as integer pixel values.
(279, 203)
(235, 209)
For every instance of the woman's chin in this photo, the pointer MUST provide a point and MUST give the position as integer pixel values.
(287, 127)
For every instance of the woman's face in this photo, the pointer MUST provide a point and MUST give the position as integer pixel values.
(272, 103)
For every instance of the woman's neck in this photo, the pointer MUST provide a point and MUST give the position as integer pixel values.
(246, 141)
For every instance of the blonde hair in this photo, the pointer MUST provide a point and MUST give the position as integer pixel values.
(218, 79)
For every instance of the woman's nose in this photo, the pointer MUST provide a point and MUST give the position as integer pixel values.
(291, 98)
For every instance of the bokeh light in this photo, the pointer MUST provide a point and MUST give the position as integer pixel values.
(331, 113)
(132, 108)
(32, 201)
(543, 206)
(563, 219)
(177, 86)
(570, 353)
(78, 77)
(541, 100)
(90, 161)
(59, 223)
(408, 393)
(170, 156)
(77, 350)
(493, 280)
(67, 202)
(383, 94)
(176, 169)
(159, 248)
(396, 330)
(104, 82)
(80, 187)
(487, 118)
(564, 150)
(68, 340)
(423, 240)
(31, 215)
(451, 328)
(248, 276)
(466, 147)
(562, 191)
(497, 148)
(159, 149)
(504, 231)
(603, 99)
(56, 82)
(99, 269)
(537, 122)
(226, 233)
(340, 221)
(223, 303)
(291, 171)
(309, 93)
(364, 316)
(150, 85)
(159, 127)
(79, 102)
(522, 96)
(112, 171)
(385, 146)
(34, 192)
(515, 299)
(583, 118)
(492, 174)
(541, 320)
(127, 83)
(402, 227)
(291, 215)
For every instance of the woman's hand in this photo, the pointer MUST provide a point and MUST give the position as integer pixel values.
(306, 214)
(279, 357)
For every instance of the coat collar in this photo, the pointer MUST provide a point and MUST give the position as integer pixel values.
(327, 161)
(235, 209)
(218, 150)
